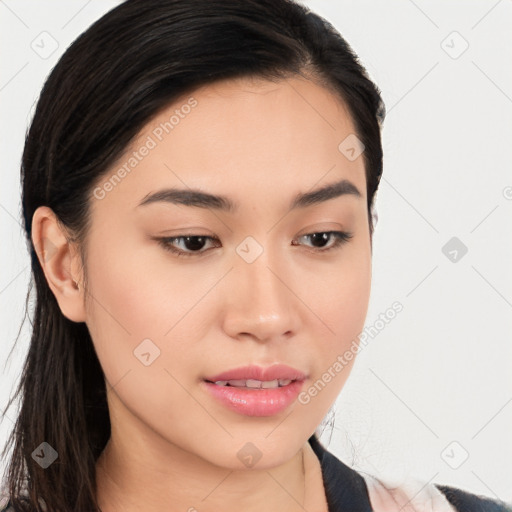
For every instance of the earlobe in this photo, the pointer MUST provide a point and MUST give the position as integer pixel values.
(58, 259)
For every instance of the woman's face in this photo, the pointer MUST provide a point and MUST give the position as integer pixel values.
(254, 290)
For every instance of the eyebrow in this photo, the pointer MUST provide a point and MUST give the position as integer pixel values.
(197, 198)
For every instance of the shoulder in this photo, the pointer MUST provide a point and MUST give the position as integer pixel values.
(5, 504)
(414, 495)
(5, 498)
(463, 500)
(349, 489)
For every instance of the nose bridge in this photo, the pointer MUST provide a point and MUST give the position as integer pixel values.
(265, 285)
(261, 304)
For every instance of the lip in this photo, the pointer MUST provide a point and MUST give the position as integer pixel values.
(277, 371)
(259, 401)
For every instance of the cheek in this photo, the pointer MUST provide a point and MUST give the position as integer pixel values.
(140, 304)
(341, 304)
(340, 295)
(145, 321)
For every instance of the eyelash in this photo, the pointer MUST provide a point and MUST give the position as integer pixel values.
(340, 238)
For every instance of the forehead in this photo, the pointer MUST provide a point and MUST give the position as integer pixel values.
(242, 136)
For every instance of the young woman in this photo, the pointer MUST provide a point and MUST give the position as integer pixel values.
(198, 193)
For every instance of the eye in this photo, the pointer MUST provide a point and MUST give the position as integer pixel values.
(194, 245)
(321, 239)
(191, 244)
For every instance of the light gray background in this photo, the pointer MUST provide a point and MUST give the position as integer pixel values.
(434, 385)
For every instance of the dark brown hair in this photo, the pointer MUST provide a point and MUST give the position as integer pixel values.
(116, 76)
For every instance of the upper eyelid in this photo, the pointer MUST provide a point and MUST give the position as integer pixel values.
(210, 237)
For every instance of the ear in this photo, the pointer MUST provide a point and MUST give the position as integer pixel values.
(60, 262)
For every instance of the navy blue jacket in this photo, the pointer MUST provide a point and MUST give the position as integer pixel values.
(346, 489)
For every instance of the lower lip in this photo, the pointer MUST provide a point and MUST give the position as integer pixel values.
(256, 402)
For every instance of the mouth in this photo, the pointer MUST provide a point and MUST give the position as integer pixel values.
(253, 383)
(254, 376)
(254, 391)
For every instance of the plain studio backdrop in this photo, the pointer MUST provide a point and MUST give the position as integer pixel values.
(430, 394)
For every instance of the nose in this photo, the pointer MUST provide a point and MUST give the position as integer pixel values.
(262, 303)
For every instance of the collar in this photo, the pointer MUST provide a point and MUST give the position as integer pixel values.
(345, 488)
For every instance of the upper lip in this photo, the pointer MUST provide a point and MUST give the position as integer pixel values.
(277, 371)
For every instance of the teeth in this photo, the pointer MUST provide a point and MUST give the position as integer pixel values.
(237, 383)
(254, 384)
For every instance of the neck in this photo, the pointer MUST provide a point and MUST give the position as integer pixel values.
(128, 481)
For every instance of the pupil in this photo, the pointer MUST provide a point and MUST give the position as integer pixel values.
(323, 237)
(194, 246)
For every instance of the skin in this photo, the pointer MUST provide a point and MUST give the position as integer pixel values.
(260, 143)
